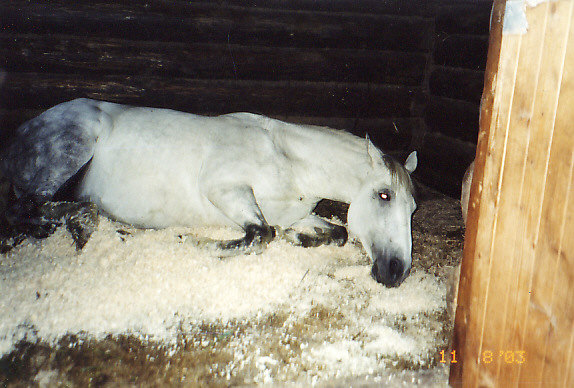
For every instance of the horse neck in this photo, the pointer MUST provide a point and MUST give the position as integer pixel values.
(326, 163)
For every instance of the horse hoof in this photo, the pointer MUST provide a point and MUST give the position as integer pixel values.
(82, 223)
(43, 230)
(9, 243)
(339, 235)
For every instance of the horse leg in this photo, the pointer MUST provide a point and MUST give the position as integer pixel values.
(47, 155)
(81, 218)
(24, 217)
(239, 205)
(313, 231)
(39, 218)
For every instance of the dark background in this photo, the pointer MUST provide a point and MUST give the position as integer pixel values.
(407, 72)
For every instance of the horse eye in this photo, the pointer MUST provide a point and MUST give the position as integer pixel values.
(385, 195)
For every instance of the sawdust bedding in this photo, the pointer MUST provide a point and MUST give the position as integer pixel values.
(143, 307)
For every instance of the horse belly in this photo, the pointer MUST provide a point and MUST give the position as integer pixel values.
(148, 186)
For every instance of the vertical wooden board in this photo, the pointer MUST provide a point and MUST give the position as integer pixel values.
(491, 265)
(562, 351)
(552, 290)
(503, 91)
(503, 326)
(557, 297)
(500, 309)
(465, 340)
(508, 255)
(560, 348)
(539, 227)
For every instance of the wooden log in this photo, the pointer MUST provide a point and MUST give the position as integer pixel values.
(515, 321)
(467, 51)
(233, 25)
(459, 84)
(453, 118)
(394, 134)
(393, 7)
(471, 18)
(442, 162)
(182, 7)
(40, 91)
(88, 56)
(179, 7)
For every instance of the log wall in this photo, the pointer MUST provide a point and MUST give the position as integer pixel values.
(455, 80)
(408, 73)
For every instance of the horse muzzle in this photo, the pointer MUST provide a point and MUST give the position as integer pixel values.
(390, 270)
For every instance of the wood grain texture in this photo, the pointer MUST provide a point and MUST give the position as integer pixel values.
(464, 51)
(90, 56)
(456, 83)
(330, 99)
(211, 23)
(515, 321)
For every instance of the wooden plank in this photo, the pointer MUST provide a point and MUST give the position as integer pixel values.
(233, 25)
(544, 324)
(40, 91)
(515, 322)
(456, 83)
(87, 56)
(560, 345)
(516, 197)
(562, 352)
(477, 354)
(525, 106)
(555, 250)
(464, 341)
(466, 51)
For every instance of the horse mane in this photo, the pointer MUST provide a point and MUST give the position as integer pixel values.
(399, 174)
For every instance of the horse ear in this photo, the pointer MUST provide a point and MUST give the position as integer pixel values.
(372, 151)
(411, 162)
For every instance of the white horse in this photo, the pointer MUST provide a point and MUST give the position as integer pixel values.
(155, 168)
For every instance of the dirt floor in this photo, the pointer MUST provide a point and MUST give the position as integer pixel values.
(329, 324)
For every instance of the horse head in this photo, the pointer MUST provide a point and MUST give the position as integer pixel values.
(380, 216)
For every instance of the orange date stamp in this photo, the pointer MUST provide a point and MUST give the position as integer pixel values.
(488, 356)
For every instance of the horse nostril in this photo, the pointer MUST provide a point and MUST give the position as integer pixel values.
(395, 270)
(389, 273)
(375, 273)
